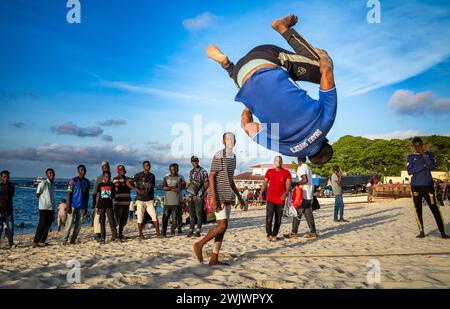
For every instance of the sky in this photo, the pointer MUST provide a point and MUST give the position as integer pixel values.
(132, 82)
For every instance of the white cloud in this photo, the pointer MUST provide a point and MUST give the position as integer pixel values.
(202, 21)
(410, 103)
(396, 135)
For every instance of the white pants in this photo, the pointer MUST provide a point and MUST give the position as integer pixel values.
(146, 206)
(223, 214)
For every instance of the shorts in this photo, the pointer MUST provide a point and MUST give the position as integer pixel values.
(142, 207)
(224, 213)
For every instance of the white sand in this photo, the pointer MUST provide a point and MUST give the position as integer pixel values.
(384, 230)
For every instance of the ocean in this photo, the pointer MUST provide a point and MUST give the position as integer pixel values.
(26, 205)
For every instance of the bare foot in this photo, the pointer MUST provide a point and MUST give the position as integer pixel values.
(215, 54)
(214, 263)
(284, 23)
(197, 250)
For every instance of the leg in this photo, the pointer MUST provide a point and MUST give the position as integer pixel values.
(336, 207)
(296, 220)
(219, 229)
(10, 224)
(77, 225)
(270, 210)
(417, 196)
(218, 243)
(180, 218)
(150, 207)
(165, 220)
(430, 197)
(199, 213)
(278, 217)
(140, 208)
(112, 223)
(216, 54)
(47, 226)
(68, 227)
(40, 227)
(310, 219)
(102, 221)
(174, 216)
(192, 215)
(341, 207)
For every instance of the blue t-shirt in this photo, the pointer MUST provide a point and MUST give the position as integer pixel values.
(293, 123)
(80, 192)
(420, 168)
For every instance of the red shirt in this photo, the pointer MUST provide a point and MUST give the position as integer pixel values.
(277, 185)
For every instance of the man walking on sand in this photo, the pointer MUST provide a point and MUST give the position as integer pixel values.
(336, 185)
(305, 175)
(221, 189)
(293, 123)
(420, 164)
(279, 180)
(145, 197)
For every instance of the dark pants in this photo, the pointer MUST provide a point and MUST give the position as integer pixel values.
(196, 206)
(271, 211)
(169, 211)
(112, 223)
(8, 219)
(426, 192)
(303, 65)
(121, 216)
(180, 210)
(304, 209)
(45, 222)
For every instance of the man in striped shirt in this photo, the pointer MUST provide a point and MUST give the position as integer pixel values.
(221, 193)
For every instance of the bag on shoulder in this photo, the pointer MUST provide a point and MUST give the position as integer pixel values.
(193, 187)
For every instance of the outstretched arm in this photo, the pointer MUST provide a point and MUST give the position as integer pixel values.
(250, 127)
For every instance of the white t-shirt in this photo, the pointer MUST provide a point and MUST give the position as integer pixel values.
(307, 188)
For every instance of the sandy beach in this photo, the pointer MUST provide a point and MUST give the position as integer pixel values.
(384, 230)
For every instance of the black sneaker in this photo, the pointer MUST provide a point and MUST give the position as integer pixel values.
(445, 236)
(197, 234)
(190, 234)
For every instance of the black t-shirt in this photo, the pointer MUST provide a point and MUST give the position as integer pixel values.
(106, 192)
(123, 196)
(6, 197)
(146, 183)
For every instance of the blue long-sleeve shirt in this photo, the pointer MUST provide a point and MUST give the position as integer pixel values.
(420, 168)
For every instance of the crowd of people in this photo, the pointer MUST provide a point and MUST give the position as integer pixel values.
(111, 199)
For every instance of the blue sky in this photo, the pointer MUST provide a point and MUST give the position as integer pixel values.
(143, 65)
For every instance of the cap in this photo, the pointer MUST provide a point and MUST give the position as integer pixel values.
(194, 158)
(105, 163)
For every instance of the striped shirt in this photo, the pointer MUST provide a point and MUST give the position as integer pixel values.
(224, 166)
(123, 193)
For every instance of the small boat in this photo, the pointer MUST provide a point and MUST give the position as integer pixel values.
(37, 181)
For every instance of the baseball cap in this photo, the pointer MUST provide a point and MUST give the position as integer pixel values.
(194, 158)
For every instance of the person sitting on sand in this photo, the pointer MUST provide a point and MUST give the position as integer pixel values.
(221, 189)
(62, 213)
(293, 123)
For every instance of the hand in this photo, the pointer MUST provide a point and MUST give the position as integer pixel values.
(283, 196)
(139, 191)
(214, 204)
(326, 63)
(69, 210)
(242, 202)
(260, 197)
